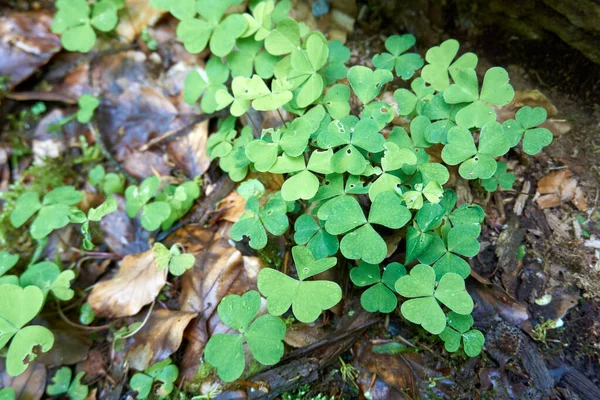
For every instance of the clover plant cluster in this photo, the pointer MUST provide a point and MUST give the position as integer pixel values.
(362, 185)
(366, 181)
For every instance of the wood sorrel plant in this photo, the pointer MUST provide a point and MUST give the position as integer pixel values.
(351, 179)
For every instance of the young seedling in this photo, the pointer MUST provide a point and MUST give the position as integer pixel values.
(172, 259)
(62, 384)
(459, 330)
(138, 198)
(164, 372)
(264, 336)
(501, 179)
(95, 215)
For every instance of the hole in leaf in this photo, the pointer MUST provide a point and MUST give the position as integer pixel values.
(476, 158)
(351, 185)
(384, 110)
(349, 151)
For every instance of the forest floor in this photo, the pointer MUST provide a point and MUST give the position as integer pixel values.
(536, 282)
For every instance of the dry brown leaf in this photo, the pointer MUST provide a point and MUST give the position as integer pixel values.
(304, 335)
(232, 207)
(29, 385)
(137, 283)
(189, 151)
(558, 187)
(219, 270)
(139, 15)
(398, 370)
(160, 337)
(26, 44)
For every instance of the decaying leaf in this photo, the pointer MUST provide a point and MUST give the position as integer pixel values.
(122, 234)
(558, 187)
(140, 14)
(398, 370)
(29, 385)
(160, 337)
(219, 270)
(189, 151)
(137, 283)
(26, 45)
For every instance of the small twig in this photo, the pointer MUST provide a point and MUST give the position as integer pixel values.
(143, 323)
(173, 134)
(256, 130)
(281, 117)
(107, 154)
(74, 325)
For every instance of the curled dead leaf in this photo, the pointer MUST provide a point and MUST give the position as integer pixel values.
(558, 187)
(160, 337)
(137, 283)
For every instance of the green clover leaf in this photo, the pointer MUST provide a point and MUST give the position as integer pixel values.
(343, 214)
(62, 384)
(249, 57)
(495, 90)
(304, 75)
(74, 22)
(419, 235)
(173, 259)
(321, 243)
(461, 240)
(307, 298)
(264, 336)
(527, 119)
(219, 34)
(423, 307)
(254, 221)
(354, 134)
(47, 276)
(476, 162)
(459, 329)
(197, 85)
(54, 212)
(18, 306)
(87, 106)
(7, 261)
(335, 69)
(404, 64)
(163, 371)
(380, 112)
(440, 63)
(337, 101)
(380, 296)
(433, 192)
(259, 23)
(284, 39)
(501, 179)
(367, 83)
